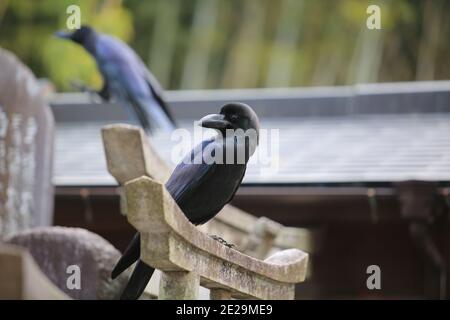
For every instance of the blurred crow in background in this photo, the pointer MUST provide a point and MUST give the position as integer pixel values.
(201, 188)
(125, 78)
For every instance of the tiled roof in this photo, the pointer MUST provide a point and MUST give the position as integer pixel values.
(351, 149)
(363, 134)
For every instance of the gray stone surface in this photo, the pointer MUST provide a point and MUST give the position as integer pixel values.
(26, 149)
(169, 242)
(179, 285)
(22, 279)
(56, 248)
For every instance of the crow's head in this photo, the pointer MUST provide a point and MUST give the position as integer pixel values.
(79, 35)
(235, 116)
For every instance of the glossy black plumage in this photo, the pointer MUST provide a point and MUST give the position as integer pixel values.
(132, 253)
(199, 187)
(138, 281)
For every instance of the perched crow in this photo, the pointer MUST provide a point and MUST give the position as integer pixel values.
(200, 186)
(125, 78)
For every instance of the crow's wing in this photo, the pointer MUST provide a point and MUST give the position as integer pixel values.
(189, 174)
(130, 80)
(181, 184)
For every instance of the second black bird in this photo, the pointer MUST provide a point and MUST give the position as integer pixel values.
(126, 78)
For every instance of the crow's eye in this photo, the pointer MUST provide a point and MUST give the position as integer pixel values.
(233, 117)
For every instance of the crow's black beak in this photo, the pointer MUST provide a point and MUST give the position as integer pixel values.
(63, 34)
(215, 121)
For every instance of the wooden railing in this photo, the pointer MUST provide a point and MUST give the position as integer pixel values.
(186, 256)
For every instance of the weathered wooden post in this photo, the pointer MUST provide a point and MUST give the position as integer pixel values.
(26, 149)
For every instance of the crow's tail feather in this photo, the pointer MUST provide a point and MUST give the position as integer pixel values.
(151, 115)
(138, 281)
(131, 254)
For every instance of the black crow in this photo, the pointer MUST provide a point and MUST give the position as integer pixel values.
(125, 78)
(204, 181)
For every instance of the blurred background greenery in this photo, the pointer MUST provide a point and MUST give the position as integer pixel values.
(196, 44)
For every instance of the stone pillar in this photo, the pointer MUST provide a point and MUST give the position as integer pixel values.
(220, 294)
(26, 149)
(179, 285)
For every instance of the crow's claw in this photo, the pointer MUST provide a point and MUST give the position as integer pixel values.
(222, 241)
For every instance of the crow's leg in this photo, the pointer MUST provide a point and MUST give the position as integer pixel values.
(222, 241)
(104, 92)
